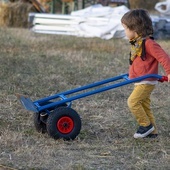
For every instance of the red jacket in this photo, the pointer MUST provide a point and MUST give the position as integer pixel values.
(154, 55)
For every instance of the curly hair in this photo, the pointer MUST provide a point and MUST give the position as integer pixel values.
(138, 20)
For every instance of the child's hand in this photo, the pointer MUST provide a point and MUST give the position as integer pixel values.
(169, 78)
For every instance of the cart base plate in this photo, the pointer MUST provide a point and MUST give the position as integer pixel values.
(27, 103)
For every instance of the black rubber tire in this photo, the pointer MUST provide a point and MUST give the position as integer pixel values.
(63, 122)
(39, 125)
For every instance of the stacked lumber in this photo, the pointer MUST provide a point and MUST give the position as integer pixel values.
(62, 24)
(38, 6)
(94, 21)
(53, 23)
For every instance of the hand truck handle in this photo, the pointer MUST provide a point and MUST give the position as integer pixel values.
(164, 78)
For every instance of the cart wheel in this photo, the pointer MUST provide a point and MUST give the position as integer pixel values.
(39, 125)
(63, 122)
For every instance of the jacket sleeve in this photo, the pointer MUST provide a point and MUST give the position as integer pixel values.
(155, 50)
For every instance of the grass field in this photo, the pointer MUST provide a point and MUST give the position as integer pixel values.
(40, 65)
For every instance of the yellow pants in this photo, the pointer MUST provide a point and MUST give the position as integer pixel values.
(139, 104)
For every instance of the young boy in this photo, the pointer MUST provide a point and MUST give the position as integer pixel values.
(145, 55)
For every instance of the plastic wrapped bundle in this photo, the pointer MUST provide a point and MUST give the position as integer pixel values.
(163, 7)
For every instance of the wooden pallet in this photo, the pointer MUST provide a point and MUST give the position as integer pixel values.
(38, 6)
(61, 24)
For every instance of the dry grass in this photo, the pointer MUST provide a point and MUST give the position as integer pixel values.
(40, 65)
(15, 14)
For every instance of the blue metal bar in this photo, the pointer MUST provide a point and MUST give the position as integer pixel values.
(64, 98)
(102, 89)
(81, 88)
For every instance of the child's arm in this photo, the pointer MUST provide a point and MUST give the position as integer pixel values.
(169, 78)
(155, 50)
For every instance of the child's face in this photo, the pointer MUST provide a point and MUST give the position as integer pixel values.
(129, 33)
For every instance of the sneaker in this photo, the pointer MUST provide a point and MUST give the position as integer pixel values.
(144, 131)
(151, 135)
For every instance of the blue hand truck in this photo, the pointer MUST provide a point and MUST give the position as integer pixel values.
(54, 114)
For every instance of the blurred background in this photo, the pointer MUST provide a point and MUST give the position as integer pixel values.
(14, 13)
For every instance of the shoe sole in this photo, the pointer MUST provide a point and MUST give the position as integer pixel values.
(152, 136)
(137, 135)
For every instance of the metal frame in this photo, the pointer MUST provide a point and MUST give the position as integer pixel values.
(46, 104)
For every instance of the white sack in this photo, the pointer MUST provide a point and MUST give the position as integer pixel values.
(107, 24)
(163, 7)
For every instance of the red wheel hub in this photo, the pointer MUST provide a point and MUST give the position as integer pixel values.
(65, 124)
